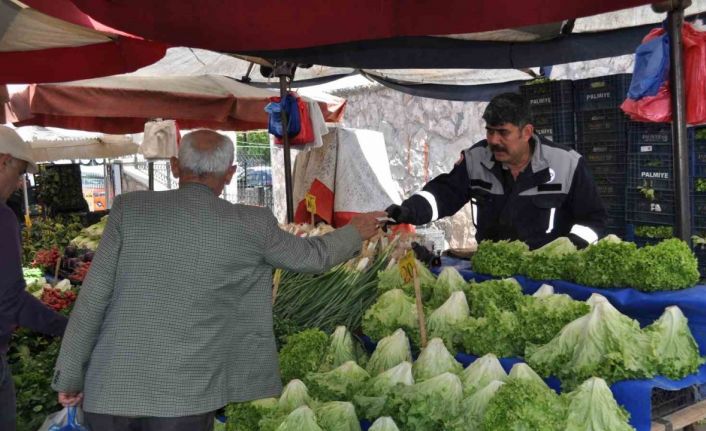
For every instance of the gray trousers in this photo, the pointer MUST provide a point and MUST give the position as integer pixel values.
(98, 422)
(8, 421)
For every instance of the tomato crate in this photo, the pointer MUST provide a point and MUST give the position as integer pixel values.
(549, 96)
(557, 126)
(616, 222)
(607, 170)
(605, 125)
(650, 170)
(657, 209)
(604, 152)
(698, 159)
(605, 92)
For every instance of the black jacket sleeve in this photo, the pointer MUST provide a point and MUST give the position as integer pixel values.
(441, 197)
(589, 213)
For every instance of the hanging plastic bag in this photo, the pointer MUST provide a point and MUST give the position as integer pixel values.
(290, 107)
(306, 132)
(651, 67)
(68, 419)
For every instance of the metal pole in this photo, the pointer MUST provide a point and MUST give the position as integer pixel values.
(28, 220)
(150, 175)
(287, 155)
(680, 146)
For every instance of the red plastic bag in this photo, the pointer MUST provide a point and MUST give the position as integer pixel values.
(658, 108)
(306, 132)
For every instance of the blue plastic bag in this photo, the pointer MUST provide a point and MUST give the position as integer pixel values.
(274, 109)
(651, 67)
(67, 419)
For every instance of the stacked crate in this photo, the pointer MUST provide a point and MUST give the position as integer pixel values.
(650, 197)
(552, 107)
(602, 140)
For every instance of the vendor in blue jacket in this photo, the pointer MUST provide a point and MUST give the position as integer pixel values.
(521, 185)
(17, 306)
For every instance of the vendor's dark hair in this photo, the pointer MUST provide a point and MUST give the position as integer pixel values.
(507, 108)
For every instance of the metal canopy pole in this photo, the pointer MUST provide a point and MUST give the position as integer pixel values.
(285, 71)
(680, 142)
(150, 175)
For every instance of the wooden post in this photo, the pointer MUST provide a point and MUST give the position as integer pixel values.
(408, 271)
(56, 270)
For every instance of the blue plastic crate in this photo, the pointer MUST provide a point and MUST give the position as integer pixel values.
(604, 125)
(605, 92)
(698, 208)
(700, 253)
(549, 96)
(604, 170)
(604, 152)
(650, 170)
(657, 210)
(557, 126)
(698, 159)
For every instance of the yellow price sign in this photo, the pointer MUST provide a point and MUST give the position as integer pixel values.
(408, 266)
(310, 203)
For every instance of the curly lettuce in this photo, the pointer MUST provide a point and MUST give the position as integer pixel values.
(434, 359)
(499, 258)
(446, 321)
(677, 353)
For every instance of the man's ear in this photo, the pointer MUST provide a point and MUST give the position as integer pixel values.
(174, 162)
(527, 132)
(229, 173)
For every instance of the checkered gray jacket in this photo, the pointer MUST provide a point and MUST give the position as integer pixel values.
(174, 317)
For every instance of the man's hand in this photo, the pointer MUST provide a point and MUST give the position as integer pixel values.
(70, 399)
(367, 223)
(399, 213)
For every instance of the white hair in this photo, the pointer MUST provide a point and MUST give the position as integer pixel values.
(212, 160)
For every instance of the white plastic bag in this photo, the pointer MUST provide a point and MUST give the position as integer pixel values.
(67, 419)
(160, 140)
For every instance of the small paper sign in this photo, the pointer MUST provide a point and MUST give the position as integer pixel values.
(310, 203)
(407, 266)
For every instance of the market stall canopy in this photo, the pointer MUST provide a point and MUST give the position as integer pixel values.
(36, 47)
(50, 145)
(123, 103)
(270, 25)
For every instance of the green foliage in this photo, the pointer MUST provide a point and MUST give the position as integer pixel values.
(657, 232)
(372, 396)
(59, 188)
(339, 384)
(253, 144)
(481, 372)
(494, 294)
(522, 404)
(246, 416)
(669, 265)
(32, 358)
(302, 354)
(549, 262)
(391, 278)
(473, 408)
(426, 405)
(700, 185)
(337, 416)
(341, 349)
(384, 424)
(497, 332)
(448, 282)
(301, 419)
(499, 258)
(606, 263)
(542, 318)
(46, 233)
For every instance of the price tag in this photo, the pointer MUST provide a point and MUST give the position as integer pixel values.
(407, 267)
(310, 203)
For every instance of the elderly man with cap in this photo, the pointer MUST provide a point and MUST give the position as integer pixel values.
(17, 307)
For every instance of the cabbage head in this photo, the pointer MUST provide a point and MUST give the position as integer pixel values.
(446, 321)
(448, 282)
(392, 279)
(473, 408)
(338, 384)
(481, 372)
(393, 310)
(301, 419)
(371, 398)
(675, 347)
(592, 407)
(428, 404)
(295, 394)
(337, 416)
(603, 343)
(434, 360)
(521, 371)
(342, 348)
(384, 424)
(389, 352)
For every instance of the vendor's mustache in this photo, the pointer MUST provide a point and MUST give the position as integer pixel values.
(498, 149)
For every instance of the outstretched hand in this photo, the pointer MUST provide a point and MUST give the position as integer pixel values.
(70, 399)
(367, 224)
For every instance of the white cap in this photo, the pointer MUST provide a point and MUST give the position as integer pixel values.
(11, 143)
